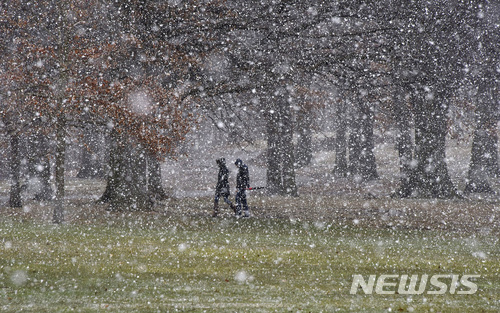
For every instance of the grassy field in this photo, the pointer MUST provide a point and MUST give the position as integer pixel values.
(157, 263)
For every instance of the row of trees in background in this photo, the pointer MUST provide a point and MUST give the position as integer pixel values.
(136, 72)
(408, 60)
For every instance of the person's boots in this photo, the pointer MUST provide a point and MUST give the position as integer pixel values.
(237, 211)
(233, 207)
(216, 210)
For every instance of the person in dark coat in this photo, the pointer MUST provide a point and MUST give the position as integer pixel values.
(242, 183)
(222, 187)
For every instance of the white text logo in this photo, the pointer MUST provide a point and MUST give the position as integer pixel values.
(414, 284)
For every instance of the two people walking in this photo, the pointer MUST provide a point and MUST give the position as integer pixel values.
(222, 188)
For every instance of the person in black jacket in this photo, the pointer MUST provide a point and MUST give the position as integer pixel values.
(222, 187)
(242, 183)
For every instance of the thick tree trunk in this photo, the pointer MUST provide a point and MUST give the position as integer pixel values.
(477, 178)
(484, 152)
(341, 168)
(126, 187)
(273, 174)
(404, 142)
(367, 163)
(15, 200)
(155, 187)
(362, 164)
(111, 178)
(289, 184)
(430, 177)
(280, 148)
(304, 142)
(491, 147)
(354, 147)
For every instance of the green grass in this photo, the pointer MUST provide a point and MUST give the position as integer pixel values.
(153, 263)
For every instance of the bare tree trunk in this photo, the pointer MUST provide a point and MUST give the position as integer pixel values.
(341, 142)
(15, 200)
(354, 146)
(484, 155)
(126, 187)
(280, 149)
(491, 143)
(58, 216)
(111, 178)
(288, 158)
(304, 143)
(274, 180)
(367, 163)
(155, 187)
(362, 163)
(477, 178)
(430, 177)
(404, 142)
(492, 153)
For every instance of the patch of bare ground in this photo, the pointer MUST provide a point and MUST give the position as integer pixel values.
(447, 215)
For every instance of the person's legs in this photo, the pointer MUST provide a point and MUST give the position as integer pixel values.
(226, 199)
(231, 205)
(238, 201)
(244, 203)
(216, 205)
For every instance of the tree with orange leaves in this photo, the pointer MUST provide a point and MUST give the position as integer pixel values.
(132, 67)
(65, 66)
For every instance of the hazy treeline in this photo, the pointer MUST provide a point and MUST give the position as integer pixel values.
(128, 79)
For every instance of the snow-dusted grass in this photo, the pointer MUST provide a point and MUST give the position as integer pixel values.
(148, 262)
(295, 254)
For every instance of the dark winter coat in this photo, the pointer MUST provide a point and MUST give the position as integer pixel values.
(222, 187)
(243, 178)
